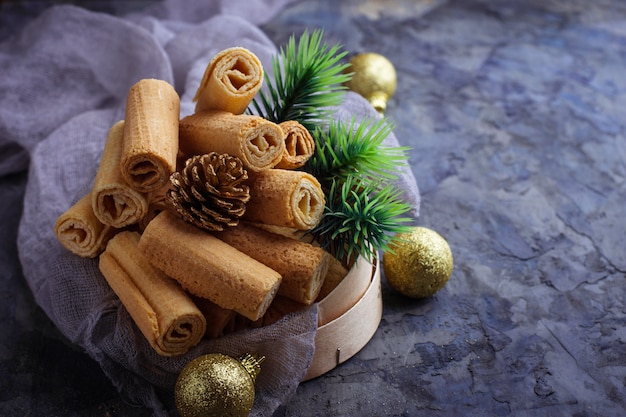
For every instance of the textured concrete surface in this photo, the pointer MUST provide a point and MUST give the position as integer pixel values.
(515, 112)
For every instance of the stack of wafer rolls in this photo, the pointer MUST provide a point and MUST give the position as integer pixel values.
(302, 266)
(230, 82)
(180, 282)
(114, 201)
(150, 134)
(299, 145)
(286, 198)
(209, 268)
(164, 313)
(80, 231)
(256, 141)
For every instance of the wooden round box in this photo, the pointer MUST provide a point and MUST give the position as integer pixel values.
(348, 317)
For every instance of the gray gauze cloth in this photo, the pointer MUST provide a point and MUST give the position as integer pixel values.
(64, 83)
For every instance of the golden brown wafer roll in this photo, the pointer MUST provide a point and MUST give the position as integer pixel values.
(280, 307)
(230, 82)
(285, 198)
(299, 145)
(157, 202)
(79, 230)
(256, 141)
(336, 273)
(115, 202)
(302, 265)
(164, 313)
(209, 268)
(150, 134)
(217, 318)
(238, 323)
(289, 232)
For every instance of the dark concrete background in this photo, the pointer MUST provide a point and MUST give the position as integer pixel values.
(516, 113)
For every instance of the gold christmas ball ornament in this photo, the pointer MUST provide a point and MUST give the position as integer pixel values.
(419, 264)
(217, 385)
(374, 77)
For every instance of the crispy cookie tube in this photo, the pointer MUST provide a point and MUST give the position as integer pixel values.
(157, 202)
(287, 198)
(164, 313)
(207, 267)
(256, 141)
(217, 318)
(114, 202)
(230, 82)
(280, 307)
(336, 273)
(299, 145)
(79, 230)
(302, 265)
(150, 134)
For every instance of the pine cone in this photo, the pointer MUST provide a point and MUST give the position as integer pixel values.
(209, 191)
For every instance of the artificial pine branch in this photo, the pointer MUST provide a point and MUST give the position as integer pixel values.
(349, 148)
(360, 219)
(308, 79)
(363, 209)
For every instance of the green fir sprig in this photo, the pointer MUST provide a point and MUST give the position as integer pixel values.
(354, 148)
(364, 210)
(308, 79)
(360, 219)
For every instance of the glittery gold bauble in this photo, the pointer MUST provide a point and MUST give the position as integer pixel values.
(217, 385)
(421, 263)
(374, 78)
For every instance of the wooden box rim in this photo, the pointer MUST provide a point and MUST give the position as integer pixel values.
(348, 318)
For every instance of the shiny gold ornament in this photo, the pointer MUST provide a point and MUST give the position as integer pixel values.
(421, 263)
(217, 385)
(374, 78)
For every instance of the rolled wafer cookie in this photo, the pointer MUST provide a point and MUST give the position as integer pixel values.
(208, 267)
(157, 202)
(280, 307)
(302, 265)
(289, 232)
(114, 201)
(217, 318)
(150, 134)
(164, 313)
(238, 323)
(79, 230)
(286, 198)
(336, 273)
(230, 82)
(256, 141)
(299, 145)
